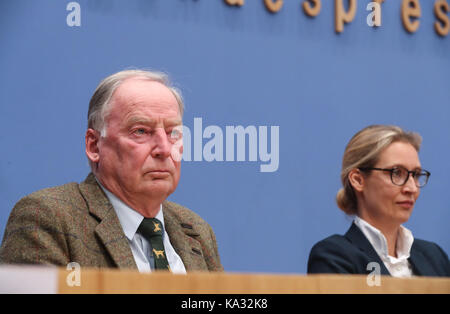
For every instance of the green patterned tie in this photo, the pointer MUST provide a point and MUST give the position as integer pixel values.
(153, 230)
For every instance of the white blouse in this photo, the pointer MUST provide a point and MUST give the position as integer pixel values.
(397, 266)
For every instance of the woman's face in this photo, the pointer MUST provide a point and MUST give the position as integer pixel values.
(382, 202)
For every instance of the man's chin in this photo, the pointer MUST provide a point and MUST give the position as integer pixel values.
(157, 187)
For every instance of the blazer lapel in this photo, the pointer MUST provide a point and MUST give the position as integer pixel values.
(183, 236)
(420, 264)
(355, 235)
(109, 230)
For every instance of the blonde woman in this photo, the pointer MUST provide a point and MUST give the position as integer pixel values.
(381, 178)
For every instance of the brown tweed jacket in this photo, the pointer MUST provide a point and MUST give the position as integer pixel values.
(76, 223)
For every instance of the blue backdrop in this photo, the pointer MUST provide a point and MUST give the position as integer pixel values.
(235, 66)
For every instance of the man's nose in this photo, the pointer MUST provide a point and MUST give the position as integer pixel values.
(161, 146)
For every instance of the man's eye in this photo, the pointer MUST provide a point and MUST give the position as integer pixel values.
(175, 134)
(140, 131)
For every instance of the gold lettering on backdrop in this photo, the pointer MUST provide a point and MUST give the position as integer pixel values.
(235, 2)
(273, 5)
(410, 12)
(312, 10)
(441, 8)
(380, 2)
(411, 9)
(342, 16)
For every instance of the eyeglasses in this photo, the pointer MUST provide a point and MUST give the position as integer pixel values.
(400, 175)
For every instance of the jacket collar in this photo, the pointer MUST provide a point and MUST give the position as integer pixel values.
(108, 230)
(378, 241)
(355, 236)
(182, 233)
(418, 261)
(184, 236)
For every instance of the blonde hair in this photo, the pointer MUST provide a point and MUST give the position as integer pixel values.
(363, 150)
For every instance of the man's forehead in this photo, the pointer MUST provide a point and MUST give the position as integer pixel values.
(142, 119)
(137, 81)
(143, 89)
(144, 97)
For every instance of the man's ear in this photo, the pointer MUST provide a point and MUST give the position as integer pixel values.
(91, 141)
(356, 179)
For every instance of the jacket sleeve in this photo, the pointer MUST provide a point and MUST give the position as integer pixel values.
(33, 234)
(213, 260)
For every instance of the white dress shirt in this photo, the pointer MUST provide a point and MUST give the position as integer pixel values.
(140, 247)
(397, 266)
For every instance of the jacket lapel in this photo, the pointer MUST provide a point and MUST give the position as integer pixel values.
(419, 263)
(355, 235)
(109, 230)
(183, 237)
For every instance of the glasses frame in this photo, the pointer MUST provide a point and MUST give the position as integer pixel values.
(412, 172)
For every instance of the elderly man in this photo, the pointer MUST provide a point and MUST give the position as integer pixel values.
(119, 216)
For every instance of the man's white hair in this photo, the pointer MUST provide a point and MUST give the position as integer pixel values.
(100, 103)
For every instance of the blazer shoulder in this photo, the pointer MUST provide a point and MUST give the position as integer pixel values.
(49, 208)
(433, 254)
(429, 249)
(66, 194)
(334, 243)
(36, 221)
(334, 254)
(424, 245)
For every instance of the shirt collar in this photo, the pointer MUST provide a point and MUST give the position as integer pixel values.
(378, 240)
(128, 217)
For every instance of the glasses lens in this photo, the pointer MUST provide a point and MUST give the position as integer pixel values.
(399, 175)
(422, 178)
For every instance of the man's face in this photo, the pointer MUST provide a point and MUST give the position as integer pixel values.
(136, 157)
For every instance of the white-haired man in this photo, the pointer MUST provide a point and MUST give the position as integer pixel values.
(133, 146)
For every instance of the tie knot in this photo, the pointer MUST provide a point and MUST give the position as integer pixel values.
(151, 227)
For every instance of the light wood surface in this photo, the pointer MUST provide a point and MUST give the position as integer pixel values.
(116, 281)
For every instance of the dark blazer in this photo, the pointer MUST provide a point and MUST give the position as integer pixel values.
(77, 223)
(350, 254)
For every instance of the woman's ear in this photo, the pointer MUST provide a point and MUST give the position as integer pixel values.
(356, 179)
(91, 141)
